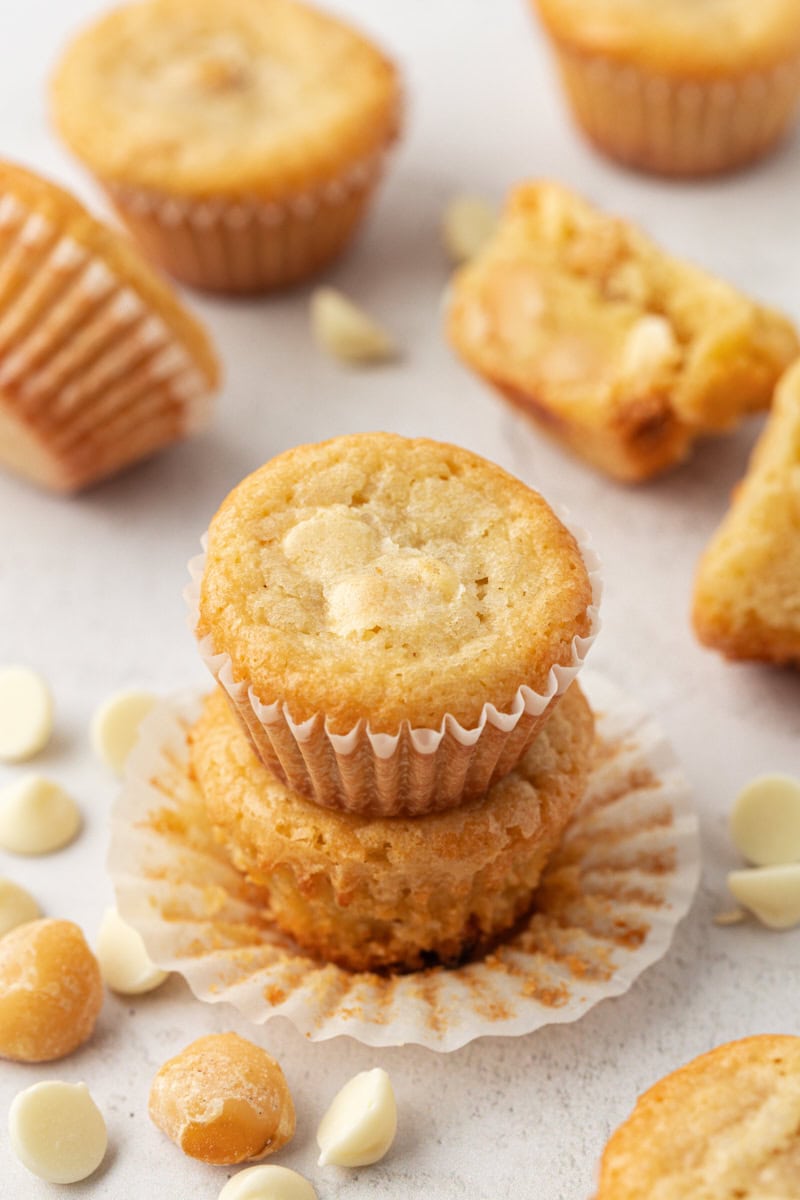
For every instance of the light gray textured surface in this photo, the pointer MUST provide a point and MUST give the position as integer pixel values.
(90, 593)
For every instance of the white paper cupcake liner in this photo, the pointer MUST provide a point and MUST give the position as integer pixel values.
(608, 906)
(88, 371)
(409, 773)
(248, 244)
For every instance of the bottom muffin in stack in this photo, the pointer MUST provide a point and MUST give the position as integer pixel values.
(393, 893)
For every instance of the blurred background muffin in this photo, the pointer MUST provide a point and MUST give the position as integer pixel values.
(100, 363)
(392, 892)
(240, 142)
(679, 87)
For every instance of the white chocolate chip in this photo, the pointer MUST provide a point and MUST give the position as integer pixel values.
(650, 347)
(17, 906)
(771, 893)
(36, 816)
(125, 965)
(330, 543)
(361, 1123)
(467, 226)
(731, 916)
(765, 822)
(57, 1131)
(346, 331)
(398, 592)
(26, 714)
(115, 726)
(267, 1183)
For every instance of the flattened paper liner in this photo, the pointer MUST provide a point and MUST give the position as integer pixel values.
(413, 772)
(679, 127)
(608, 906)
(248, 244)
(88, 372)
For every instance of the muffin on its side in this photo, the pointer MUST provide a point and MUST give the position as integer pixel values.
(100, 363)
(393, 618)
(679, 87)
(240, 141)
(747, 591)
(726, 1125)
(393, 892)
(617, 350)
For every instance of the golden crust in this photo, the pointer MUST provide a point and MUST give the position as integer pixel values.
(72, 220)
(614, 348)
(393, 892)
(724, 1126)
(683, 38)
(259, 98)
(380, 578)
(747, 591)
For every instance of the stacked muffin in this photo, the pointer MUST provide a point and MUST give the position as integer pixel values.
(396, 626)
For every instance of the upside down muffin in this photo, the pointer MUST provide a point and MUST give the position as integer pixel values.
(614, 348)
(393, 892)
(371, 598)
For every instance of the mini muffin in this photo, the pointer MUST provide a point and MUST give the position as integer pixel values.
(393, 892)
(240, 141)
(392, 619)
(747, 592)
(100, 363)
(725, 1126)
(679, 87)
(620, 352)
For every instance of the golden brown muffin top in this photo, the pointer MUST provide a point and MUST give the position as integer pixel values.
(241, 792)
(383, 578)
(210, 97)
(700, 38)
(70, 219)
(724, 1127)
(585, 314)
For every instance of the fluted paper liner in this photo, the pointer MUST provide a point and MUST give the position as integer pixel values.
(90, 377)
(679, 127)
(607, 907)
(249, 244)
(408, 773)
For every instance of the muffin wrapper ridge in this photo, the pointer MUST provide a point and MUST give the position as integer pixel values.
(610, 900)
(88, 373)
(249, 245)
(672, 127)
(409, 773)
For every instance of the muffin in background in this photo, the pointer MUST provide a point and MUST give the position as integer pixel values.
(392, 618)
(392, 892)
(747, 591)
(240, 141)
(679, 87)
(615, 349)
(725, 1125)
(100, 363)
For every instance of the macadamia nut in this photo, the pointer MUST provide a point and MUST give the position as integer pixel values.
(223, 1100)
(51, 991)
